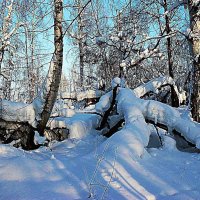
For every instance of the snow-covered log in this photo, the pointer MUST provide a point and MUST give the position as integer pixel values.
(135, 131)
(18, 112)
(17, 123)
(156, 84)
(21, 133)
(107, 113)
(104, 103)
(37, 114)
(79, 96)
(111, 120)
(164, 114)
(130, 108)
(81, 123)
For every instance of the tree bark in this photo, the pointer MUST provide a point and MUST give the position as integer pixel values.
(120, 43)
(80, 44)
(169, 48)
(195, 40)
(174, 100)
(107, 113)
(57, 67)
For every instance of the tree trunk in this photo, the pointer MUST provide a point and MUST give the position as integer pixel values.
(174, 100)
(81, 62)
(121, 73)
(57, 67)
(32, 80)
(1, 57)
(80, 43)
(195, 40)
(169, 48)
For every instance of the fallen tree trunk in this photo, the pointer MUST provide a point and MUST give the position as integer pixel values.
(157, 84)
(107, 113)
(111, 120)
(135, 131)
(174, 132)
(36, 114)
(130, 109)
(136, 112)
(166, 115)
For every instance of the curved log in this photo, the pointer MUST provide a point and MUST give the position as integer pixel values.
(166, 115)
(158, 83)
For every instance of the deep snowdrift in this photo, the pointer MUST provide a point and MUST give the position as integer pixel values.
(88, 165)
(98, 168)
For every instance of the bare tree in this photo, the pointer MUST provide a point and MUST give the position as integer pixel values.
(194, 7)
(81, 42)
(57, 66)
(174, 100)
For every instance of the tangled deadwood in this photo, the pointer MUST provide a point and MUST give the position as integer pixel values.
(119, 111)
(20, 133)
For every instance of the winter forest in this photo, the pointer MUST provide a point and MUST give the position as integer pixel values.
(100, 99)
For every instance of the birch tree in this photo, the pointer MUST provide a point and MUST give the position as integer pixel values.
(57, 66)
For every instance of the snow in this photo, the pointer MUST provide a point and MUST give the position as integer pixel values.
(164, 114)
(121, 34)
(89, 94)
(17, 111)
(60, 111)
(145, 52)
(170, 117)
(196, 2)
(88, 165)
(68, 95)
(126, 165)
(114, 38)
(118, 82)
(78, 125)
(93, 166)
(190, 130)
(143, 55)
(135, 129)
(82, 125)
(155, 84)
(38, 139)
(79, 96)
(152, 86)
(104, 103)
(123, 64)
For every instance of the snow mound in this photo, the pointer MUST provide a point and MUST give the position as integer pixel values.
(104, 103)
(18, 112)
(135, 133)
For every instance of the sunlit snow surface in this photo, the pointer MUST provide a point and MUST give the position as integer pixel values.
(89, 166)
(94, 167)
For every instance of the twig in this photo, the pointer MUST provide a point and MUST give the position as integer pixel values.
(158, 134)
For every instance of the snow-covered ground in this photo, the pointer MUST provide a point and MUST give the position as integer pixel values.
(97, 168)
(90, 166)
